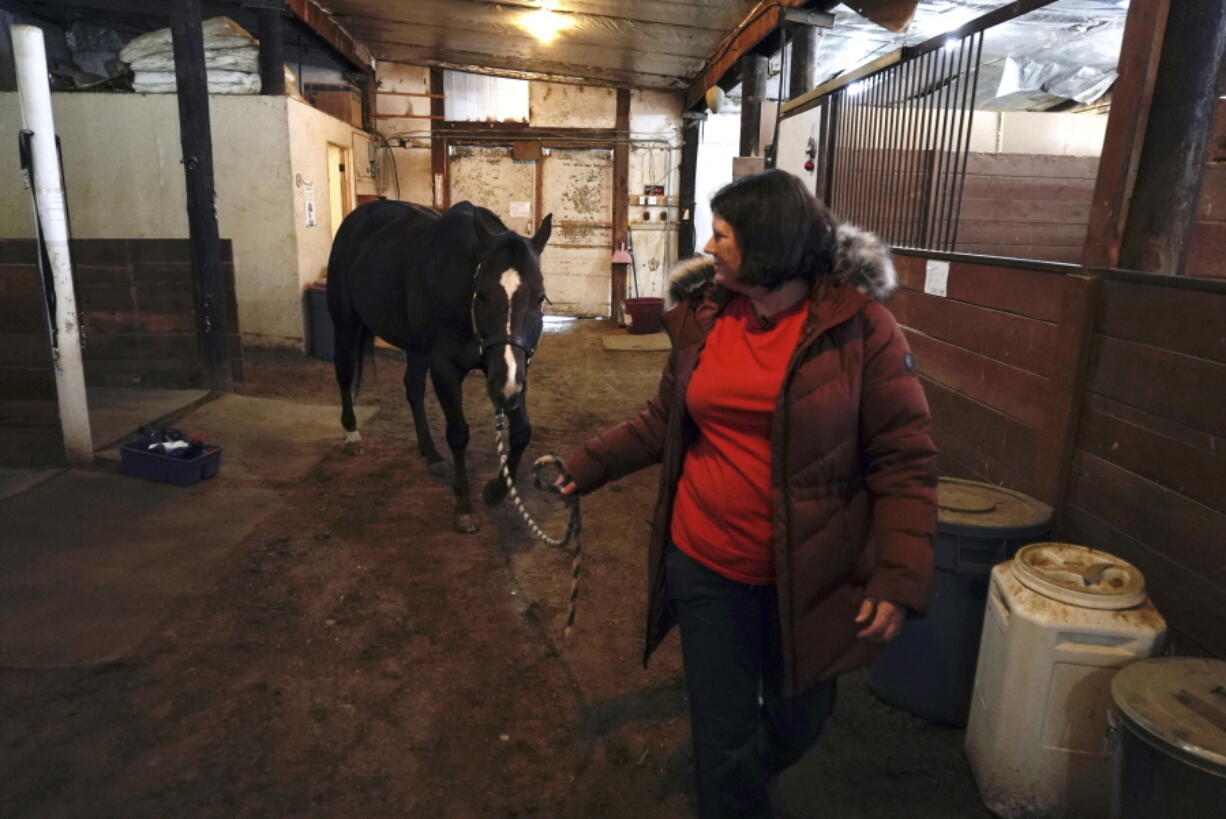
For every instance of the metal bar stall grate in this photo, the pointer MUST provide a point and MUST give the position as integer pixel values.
(900, 138)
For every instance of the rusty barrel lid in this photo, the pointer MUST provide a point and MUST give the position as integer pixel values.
(1079, 576)
(983, 509)
(1177, 704)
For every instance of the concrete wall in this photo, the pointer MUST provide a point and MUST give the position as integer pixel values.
(655, 159)
(310, 132)
(125, 181)
(402, 118)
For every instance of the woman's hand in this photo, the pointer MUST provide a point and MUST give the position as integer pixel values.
(883, 617)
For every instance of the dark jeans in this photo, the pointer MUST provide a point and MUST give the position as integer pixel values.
(745, 732)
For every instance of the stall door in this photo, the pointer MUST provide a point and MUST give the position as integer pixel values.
(577, 188)
(488, 176)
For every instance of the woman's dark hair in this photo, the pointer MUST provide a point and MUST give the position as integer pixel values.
(783, 231)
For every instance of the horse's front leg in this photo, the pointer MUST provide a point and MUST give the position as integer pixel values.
(416, 367)
(519, 436)
(448, 382)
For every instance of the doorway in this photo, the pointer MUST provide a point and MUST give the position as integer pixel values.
(340, 190)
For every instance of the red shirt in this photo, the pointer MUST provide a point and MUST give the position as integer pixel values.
(721, 516)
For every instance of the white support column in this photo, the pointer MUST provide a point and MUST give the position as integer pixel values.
(35, 93)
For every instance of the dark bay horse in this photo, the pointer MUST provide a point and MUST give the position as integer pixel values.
(457, 292)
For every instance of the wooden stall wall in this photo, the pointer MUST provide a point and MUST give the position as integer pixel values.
(138, 321)
(1207, 243)
(1149, 468)
(29, 416)
(998, 356)
(1029, 206)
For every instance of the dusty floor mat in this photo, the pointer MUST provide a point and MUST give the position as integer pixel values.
(86, 584)
(650, 342)
(268, 439)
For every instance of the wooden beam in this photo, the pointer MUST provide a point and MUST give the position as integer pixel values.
(621, 202)
(1175, 149)
(1144, 31)
(762, 21)
(438, 143)
(1074, 332)
(802, 61)
(195, 136)
(691, 136)
(753, 91)
(320, 22)
(272, 52)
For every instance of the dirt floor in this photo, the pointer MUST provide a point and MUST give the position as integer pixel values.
(353, 656)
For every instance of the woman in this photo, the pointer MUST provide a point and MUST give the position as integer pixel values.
(794, 522)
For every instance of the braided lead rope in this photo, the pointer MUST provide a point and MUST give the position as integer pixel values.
(573, 526)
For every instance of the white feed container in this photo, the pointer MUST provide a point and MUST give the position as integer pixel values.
(1060, 621)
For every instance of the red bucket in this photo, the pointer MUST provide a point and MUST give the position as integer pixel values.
(643, 315)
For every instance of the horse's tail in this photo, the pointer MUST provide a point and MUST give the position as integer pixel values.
(366, 350)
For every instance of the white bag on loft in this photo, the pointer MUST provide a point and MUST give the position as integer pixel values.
(220, 82)
(219, 32)
(245, 58)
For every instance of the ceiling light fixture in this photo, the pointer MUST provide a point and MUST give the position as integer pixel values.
(544, 24)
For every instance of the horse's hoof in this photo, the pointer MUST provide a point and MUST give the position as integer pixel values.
(439, 469)
(494, 492)
(466, 524)
(353, 447)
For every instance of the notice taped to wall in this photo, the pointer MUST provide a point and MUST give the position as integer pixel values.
(308, 203)
(936, 278)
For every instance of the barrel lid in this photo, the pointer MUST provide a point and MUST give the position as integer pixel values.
(1079, 576)
(1178, 703)
(974, 508)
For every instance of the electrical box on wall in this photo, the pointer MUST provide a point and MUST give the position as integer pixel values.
(746, 165)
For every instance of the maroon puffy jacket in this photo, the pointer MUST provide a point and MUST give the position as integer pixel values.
(853, 484)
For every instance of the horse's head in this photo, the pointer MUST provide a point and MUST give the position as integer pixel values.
(507, 298)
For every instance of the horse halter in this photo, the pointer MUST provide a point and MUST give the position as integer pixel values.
(486, 343)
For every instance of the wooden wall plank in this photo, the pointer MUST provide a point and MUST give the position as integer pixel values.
(1025, 292)
(1183, 530)
(1028, 188)
(1016, 393)
(1185, 599)
(1206, 250)
(1016, 340)
(978, 465)
(1194, 473)
(1188, 436)
(1212, 205)
(1010, 441)
(1183, 388)
(1000, 204)
(1069, 254)
(1183, 321)
(1042, 165)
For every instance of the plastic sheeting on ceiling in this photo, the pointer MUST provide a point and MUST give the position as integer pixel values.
(1041, 60)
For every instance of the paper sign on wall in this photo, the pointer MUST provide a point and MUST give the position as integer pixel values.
(936, 278)
(521, 210)
(308, 202)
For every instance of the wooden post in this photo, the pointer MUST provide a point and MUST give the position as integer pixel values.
(272, 52)
(691, 136)
(1074, 332)
(196, 139)
(802, 74)
(621, 202)
(1165, 199)
(438, 145)
(1130, 102)
(753, 90)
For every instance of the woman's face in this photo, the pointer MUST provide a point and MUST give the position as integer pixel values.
(725, 251)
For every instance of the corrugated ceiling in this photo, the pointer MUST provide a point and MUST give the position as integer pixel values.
(640, 43)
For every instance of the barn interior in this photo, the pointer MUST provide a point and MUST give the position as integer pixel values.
(304, 633)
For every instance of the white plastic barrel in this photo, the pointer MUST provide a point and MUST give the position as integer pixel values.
(1060, 621)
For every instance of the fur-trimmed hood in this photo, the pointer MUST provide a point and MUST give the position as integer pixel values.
(861, 260)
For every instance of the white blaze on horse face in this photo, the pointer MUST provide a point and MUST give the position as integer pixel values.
(510, 283)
